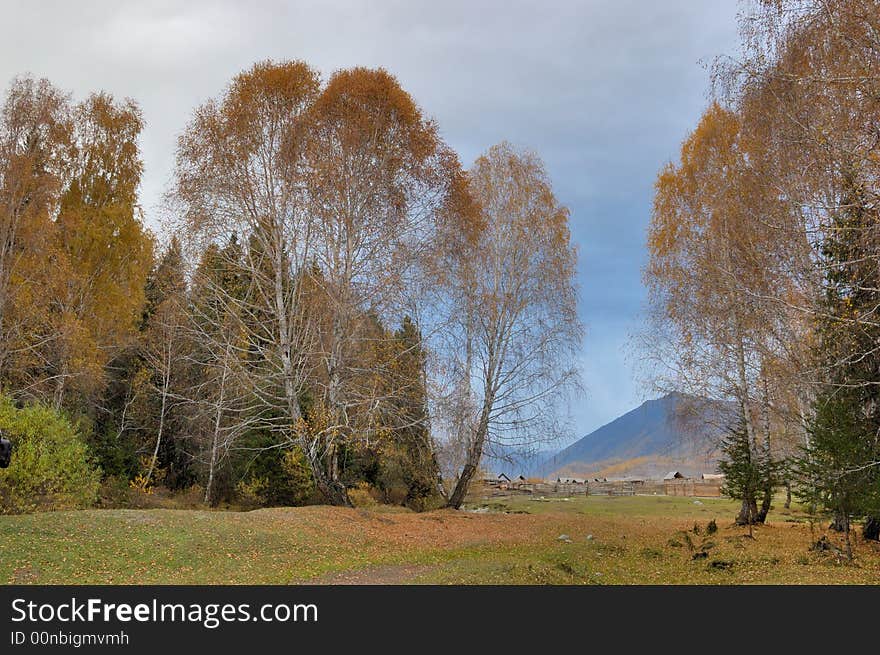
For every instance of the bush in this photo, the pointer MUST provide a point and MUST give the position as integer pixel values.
(362, 495)
(297, 476)
(117, 492)
(51, 467)
(113, 492)
(252, 491)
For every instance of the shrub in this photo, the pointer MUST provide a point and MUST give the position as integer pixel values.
(361, 495)
(261, 475)
(251, 492)
(118, 493)
(51, 466)
(114, 492)
(297, 476)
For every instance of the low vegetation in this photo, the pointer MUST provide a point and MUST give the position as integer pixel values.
(53, 468)
(511, 540)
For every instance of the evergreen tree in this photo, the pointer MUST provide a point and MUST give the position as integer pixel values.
(747, 473)
(420, 469)
(835, 468)
(164, 344)
(127, 423)
(166, 280)
(847, 348)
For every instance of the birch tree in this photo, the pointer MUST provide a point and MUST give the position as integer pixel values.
(378, 174)
(35, 136)
(334, 191)
(808, 90)
(707, 265)
(515, 296)
(240, 170)
(104, 252)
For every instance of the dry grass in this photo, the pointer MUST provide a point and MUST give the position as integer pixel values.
(646, 540)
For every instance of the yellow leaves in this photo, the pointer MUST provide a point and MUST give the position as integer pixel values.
(108, 251)
(288, 83)
(364, 105)
(148, 477)
(706, 241)
(142, 484)
(83, 252)
(107, 166)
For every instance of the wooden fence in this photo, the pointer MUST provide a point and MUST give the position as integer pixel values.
(612, 488)
(689, 487)
(679, 487)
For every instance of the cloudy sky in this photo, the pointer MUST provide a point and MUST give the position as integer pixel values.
(603, 90)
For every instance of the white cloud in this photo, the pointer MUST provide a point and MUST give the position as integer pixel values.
(166, 34)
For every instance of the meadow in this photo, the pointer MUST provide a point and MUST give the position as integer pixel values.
(507, 540)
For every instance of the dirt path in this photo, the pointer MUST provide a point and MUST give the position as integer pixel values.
(378, 575)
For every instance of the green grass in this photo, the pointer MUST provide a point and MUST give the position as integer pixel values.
(633, 506)
(612, 540)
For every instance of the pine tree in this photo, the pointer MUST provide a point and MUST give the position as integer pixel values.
(125, 423)
(847, 347)
(747, 472)
(419, 466)
(833, 468)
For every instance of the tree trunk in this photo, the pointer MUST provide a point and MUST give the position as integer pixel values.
(461, 487)
(787, 494)
(846, 532)
(333, 490)
(326, 473)
(209, 486)
(871, 528)
(766, 454)
(58, 399)
(218, 419)
(335, 493)
(165, 386)
(215, 442)
(766, 503)
(475, 452)
(748, 512)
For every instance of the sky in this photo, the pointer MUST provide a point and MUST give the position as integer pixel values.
(604, 91)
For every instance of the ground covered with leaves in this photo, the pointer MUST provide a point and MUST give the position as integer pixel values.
(512, 540)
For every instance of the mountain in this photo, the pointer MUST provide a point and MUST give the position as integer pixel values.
(675, 432)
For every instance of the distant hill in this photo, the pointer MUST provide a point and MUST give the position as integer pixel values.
(675, 432)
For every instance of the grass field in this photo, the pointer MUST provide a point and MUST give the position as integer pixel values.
(515, 540)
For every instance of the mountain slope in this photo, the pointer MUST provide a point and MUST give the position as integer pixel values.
(673, 432)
